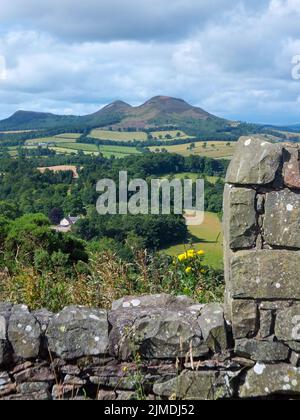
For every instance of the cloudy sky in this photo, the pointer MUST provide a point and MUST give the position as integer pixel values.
(231, 57)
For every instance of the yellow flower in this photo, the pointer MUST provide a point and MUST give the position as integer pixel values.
(182, 257)
(125, 369)
(200, 252)
(191, 253)
(188, 270)
(203, 271)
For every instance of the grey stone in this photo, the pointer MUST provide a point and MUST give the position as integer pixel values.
(293, 345)
(153, 301)
(213, 327)
(262, 351)
(35, 374)
(265, 274)
(35, 396)
(104, 395)
(76, 332)
(266, 324)
(282, 219)
(260, 204)
(5, 349)
(158, 333)
(65, 392)
(291, 166)
(267, 380)
(275, 305)
(192, 385)
(24, 333)
(244, 318)
(32, 387)
(44, 317)
(240, 217)
(295, 359)
(287, 326)
(256, 161)
(74, 380)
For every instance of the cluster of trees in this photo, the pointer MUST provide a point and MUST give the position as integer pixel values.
(29, 241)
(30, 201)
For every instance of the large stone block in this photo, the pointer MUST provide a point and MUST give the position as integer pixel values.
(282, 219)
(156, 333)
(262, 351)
(24, 333)
(188, 386)
(240, 217)
(198, 385)
(265, 274)
(76, 332)
(267, 380)
(256, 161)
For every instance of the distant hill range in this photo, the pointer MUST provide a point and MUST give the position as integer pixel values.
(156, 113)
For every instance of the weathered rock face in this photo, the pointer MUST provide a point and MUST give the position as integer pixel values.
(189, 385)
(291, 167)
(282, 219)
(287, 327)
(213, 327)
(240, 212)
(5, 310)
(153, 301)
(267, 380)
(262, 351)
(244, 318)
(76, 332)
(252, 275)
(24, 333)
(158, 333)
(256, 162)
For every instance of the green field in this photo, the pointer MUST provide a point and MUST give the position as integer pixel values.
(213, 149)
(118, 136)
(207, 237)
(138, 135)
(92, 149)
(61, 138)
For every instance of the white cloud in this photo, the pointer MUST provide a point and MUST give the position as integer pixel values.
(227, 56)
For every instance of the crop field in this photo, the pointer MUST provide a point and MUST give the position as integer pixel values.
(212, 149)
(118, 136)
(127, 136)
(92, 149)
(207, 237)
(61, 138)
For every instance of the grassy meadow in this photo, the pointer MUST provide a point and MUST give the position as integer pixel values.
(207, 237)
(213, 149)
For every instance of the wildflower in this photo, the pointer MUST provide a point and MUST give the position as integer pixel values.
(188, 270)
(125, 369)
(182, 257)
(191, 254)
(200, 252)
(203, 271)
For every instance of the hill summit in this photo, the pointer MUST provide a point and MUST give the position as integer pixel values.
(158, 111)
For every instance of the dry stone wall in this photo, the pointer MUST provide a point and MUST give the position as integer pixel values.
(164, 347)
(262, 263)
